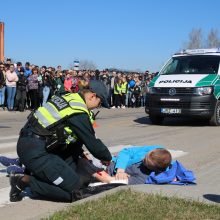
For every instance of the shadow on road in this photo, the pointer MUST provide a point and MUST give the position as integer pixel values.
(212, 197)
(4, 126)
(143, 120)
(175, 122)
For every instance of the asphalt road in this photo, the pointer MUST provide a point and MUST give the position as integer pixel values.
(195, 143)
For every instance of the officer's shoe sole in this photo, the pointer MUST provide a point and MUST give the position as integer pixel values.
(15, 192)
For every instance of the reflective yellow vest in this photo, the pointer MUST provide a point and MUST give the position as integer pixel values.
(124, 87)
(117, 89)
(59, 107)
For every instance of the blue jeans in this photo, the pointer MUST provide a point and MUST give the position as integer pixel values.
(11, 91)
(2, 95)
(128, 99)
(46, 93)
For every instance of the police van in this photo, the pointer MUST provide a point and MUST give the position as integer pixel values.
(187, 85)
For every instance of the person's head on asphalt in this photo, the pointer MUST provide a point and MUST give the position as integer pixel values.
(157, 160)
(95, 94)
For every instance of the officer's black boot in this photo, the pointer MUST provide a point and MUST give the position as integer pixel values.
(16, 188)
(81, 193)
(77, 195)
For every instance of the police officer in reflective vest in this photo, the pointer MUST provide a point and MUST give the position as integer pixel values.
(50, 144)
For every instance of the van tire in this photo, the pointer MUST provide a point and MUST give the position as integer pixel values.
(146, 110)
(215, 119)
(156, 119)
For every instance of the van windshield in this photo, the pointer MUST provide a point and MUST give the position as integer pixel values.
(192, 65)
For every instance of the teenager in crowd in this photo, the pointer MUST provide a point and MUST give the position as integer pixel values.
(33, 86)
(11, 80)
(2, 86)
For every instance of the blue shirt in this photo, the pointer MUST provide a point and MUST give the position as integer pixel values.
(133, 155)
(27, 72)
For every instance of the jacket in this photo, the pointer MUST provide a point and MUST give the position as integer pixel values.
(60, 85)
(124, 87)
(117, 89)
(27, 72)
(176, 175)
(68, 84)
(130, 156)
(33, 82)
(11, 79)
(2, 79)
(47, 81)
(22, 83)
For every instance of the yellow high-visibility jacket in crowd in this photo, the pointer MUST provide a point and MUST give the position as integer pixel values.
(124, 88)
(117, 89)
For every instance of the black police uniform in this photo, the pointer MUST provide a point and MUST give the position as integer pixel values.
(53, 175)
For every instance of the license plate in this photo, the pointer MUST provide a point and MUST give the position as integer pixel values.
(170, 111)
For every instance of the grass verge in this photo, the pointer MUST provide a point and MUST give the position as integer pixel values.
(127, 204)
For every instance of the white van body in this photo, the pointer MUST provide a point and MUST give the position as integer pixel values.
(187, 85)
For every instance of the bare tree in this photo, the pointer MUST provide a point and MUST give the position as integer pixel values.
(195, 39)
(213, 39)
(87, 65)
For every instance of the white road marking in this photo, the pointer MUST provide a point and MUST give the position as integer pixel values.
(9, 137)
(8, 145)
(175, 153)
(10, 141)
(4, 196)
(12, 154)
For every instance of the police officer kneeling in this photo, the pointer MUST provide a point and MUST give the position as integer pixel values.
(50, 144)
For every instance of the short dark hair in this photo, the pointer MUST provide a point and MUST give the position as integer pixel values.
(27, 64)
(22, 69)
(7, 66)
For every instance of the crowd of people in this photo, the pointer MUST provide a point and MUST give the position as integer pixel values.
(30, 86)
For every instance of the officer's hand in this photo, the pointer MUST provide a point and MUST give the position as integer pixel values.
(121, 175)
(106, 163)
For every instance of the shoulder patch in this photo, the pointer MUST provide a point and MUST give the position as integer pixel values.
(59, 102)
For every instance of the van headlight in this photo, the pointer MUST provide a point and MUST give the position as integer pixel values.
(207, 90)
(151, 90)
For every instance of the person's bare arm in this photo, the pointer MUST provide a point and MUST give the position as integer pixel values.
(103, 177)
(121, 174)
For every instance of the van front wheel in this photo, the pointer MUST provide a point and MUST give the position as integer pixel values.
(215, 119)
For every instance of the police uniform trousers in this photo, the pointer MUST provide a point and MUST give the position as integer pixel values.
(53, 177)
